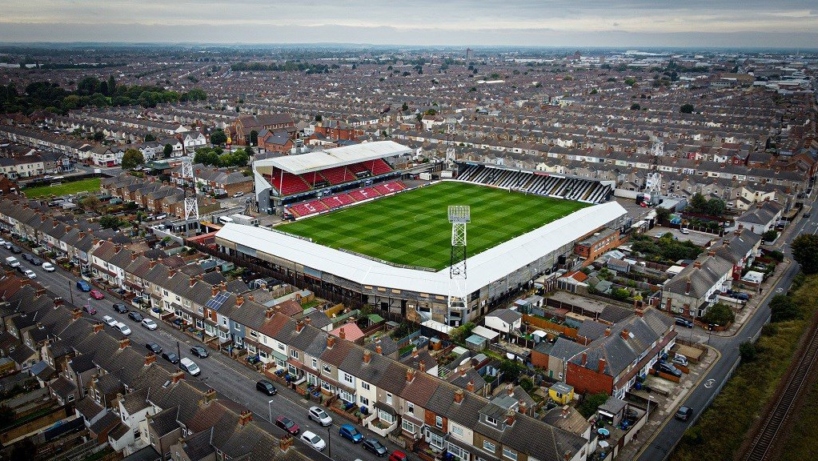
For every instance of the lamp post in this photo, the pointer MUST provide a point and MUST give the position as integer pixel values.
(647, 418)
(70, 291)
(270, 410)
(329, 441)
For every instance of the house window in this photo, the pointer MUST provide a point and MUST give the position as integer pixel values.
(314, 364)
(386, 417)
(294, 354)
(439, 422)
(435, 440)
(280, 346)
(327, 386)
(456, 430)
(363, 400)
(410, 407)
(459, 453)
(491, 420)
(348, 378)
(408, 426)
(326, 369)
(489, 447)
(253, 334)
(509, 454)
(346, 396)
(365, 386)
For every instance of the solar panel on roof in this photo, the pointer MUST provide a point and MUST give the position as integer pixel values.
(215, 303)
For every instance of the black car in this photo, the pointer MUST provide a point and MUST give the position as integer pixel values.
(153, 347)
(199, 351)
(375, 447)
(120, 308)
(170, 357)
(266, 387)
(684, 322)
(135, 316)
(684, 413)
(27, 257)
(36, 261)
(669, 369)
(16, 249)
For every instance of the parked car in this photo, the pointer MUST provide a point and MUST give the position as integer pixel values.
(349, 432)
(36, 261)
(320, 416)
(7, 245)
(238, 194)
(313, 440)
(669, 369)
(12, 261)
(30, 274)
(109, 320)
(684, 413)
(135, 316)
(266, 387)
(155, 348)
(684, 322)
(190, 366)
(684, 230)
(199, 351)
(740, 296)
(90, 309)
(288, 425)
(680, 359)
(48, 267)
(170, 357)
(83, 285)
(375, 447)
(149, 324)
(27, 257)
(398, 455)
(15, 249)
(96, 294)
(120, 308)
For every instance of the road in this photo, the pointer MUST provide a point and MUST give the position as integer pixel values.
(702, 396)
(221, 373)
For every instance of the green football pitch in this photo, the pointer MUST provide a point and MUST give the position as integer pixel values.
(412, 228)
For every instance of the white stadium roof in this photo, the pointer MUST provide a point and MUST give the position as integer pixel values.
(338, 156)
(483, 268)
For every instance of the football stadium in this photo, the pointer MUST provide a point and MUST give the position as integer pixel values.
(369, 237)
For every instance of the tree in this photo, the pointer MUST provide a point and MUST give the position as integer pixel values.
(149, 137)
(635, 106)
(715, 207)
(770, 235)
(167, 150)
(698, 203)
(206, 156)
(132, 158)
(687, 109)
(91, 203)
(511, 369)
(805, 251)
(99, 136)
(319, 118)
(719, 314)
(111, 85)
(590, 404)
(218, 138)
(6, 415)
(783, 308)
(109, 222)
(254, 138)
(404, 107)
(662, 215)
(630, 81)
(748, 351)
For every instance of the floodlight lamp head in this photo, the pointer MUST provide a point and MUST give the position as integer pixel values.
(459, 213)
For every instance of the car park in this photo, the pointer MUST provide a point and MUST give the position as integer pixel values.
(149, 324)
(313, 440)
(48, 267)
(30, 274)
(684, 322)
(684, 413)
(120, 308)
(170, 357)
(135, 316)
(199, 351)
(349, 432)
(266, 387)
(96, 294)
(153, 347)
(320, 416)
(110, 321)
(82, 285)
(124, 329)
(375, 447)
(288, 425)
(190, 366)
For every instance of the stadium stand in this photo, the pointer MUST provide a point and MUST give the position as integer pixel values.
(378, 167)
(308, 208)
(290, 184)
(580, 189)
(363, 194)
(337, 201)
(338, 175)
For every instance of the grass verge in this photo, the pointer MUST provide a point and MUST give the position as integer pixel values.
(83, 185)
(723, 427)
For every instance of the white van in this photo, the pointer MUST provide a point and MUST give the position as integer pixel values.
(190, 366)
(225, 220)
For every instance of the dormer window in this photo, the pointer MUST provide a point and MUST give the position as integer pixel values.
(490, 420)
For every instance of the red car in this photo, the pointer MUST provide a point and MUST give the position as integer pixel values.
(288, 425)
(96, 294)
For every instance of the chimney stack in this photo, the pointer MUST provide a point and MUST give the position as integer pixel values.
(521, 407)
(688, 286)
(463, 371)
(639, 312)
(299, 325)
(58, 302)
(510, 415)
(209, 396)
(308, 320)
(378, 348)
(214, 290)
(697, 264)
(98, 327)
(176, 377)
(584, 358)
(150, 358)
(134, 255)
(422, 366)
(239, 300)
(76, 314)
(124, 342)
(284, 443)
(342, 334)
(410, 375)
(510, 390)
(246, 417)
(152, 264)
(711, 253)
(367, 356)
(470, 386)
(269, 312)
(250, 297)
(601, 367)
(330, 341)
(192, 281)
(608, 331)
(458, 396)
(625, 333)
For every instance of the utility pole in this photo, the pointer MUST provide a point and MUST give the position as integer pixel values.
(70, 291)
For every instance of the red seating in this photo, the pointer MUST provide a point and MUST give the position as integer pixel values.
(364, 194)
(378, 167)
(337, 201)
(312, 178)
(291, 184)
(357, 168)
(338, 175)
(308, 208)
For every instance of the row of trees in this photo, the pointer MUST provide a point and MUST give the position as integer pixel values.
(215, 156)
(713, 207)
(288, 66)
(90, 92)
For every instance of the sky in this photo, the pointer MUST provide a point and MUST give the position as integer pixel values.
(581, 23)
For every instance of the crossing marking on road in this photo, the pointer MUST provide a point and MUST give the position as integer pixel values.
(709, 383)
